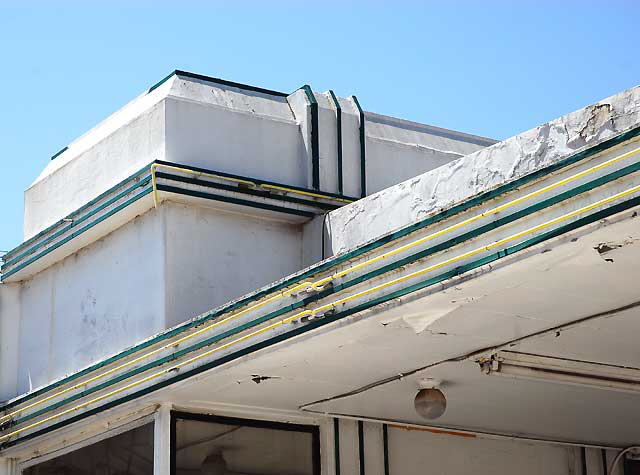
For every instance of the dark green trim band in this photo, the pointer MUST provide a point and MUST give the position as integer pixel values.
(385, 448)
(257, 181)
(445, 245)
(71, 216)
(247, 191)
(77, 233)
(363, 151)
(361, 447)
(336, 444)
(161, 82)
(77, 221)
(338, 139)
(315, 139)
(58, 153)
(316, 323)
(222, 82)
(236, 201)
(336, 260)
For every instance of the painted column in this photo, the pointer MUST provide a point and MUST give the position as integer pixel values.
(161, 441)
(8, 466)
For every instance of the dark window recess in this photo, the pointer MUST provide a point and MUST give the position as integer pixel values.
(631, 467)
(129, 453)
(209, 445)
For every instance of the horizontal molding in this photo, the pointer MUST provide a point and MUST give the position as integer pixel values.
(259, 181)
(222, 82)
(446, 245)
(337, 260)
(74, 234)
(247, 191)
(236, 201)
(317, 323)
(552, 201)
(68, 228)
(375, 273)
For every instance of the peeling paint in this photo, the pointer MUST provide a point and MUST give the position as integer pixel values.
(421, 321)
(256, 378)
(488, 168)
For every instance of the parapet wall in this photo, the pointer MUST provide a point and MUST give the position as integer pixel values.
(480, 172)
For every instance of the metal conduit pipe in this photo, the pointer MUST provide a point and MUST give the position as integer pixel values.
(619, 457)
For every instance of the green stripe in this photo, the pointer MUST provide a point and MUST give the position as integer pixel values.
(77, 221)
(63, 221)
(363, 151)
(248, 191)
(336, 260)
(222, 82)
(77, 233)
(445, 245)
(257, 181)
(385, 448)
(338, 139)
(59, 152)
(161, 82)
(361, 447)
(315, 140)
(336, 444)
(314, 324)
(102, 196)
(237, 201)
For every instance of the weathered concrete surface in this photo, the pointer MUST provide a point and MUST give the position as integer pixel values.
(9, 332)
(463, 178)
(229, 129)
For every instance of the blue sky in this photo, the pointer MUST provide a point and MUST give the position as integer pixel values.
(487, 67)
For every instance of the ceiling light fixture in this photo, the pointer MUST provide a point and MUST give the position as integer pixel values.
(430, 402)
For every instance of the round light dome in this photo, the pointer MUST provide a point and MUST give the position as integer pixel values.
(430, 403)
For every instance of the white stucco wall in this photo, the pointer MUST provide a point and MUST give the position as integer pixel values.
(415, 451)
(397, 149)
(215, 256)
(9, 331)
(239, 131)
(162, 268)
(93, 171)
(463, 178)
(179, 261)
(95, 303)
(235, 141)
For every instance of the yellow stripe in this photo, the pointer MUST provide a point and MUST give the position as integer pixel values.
(318, 285)
(305, 193)
(332, 305)
(235, 180)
